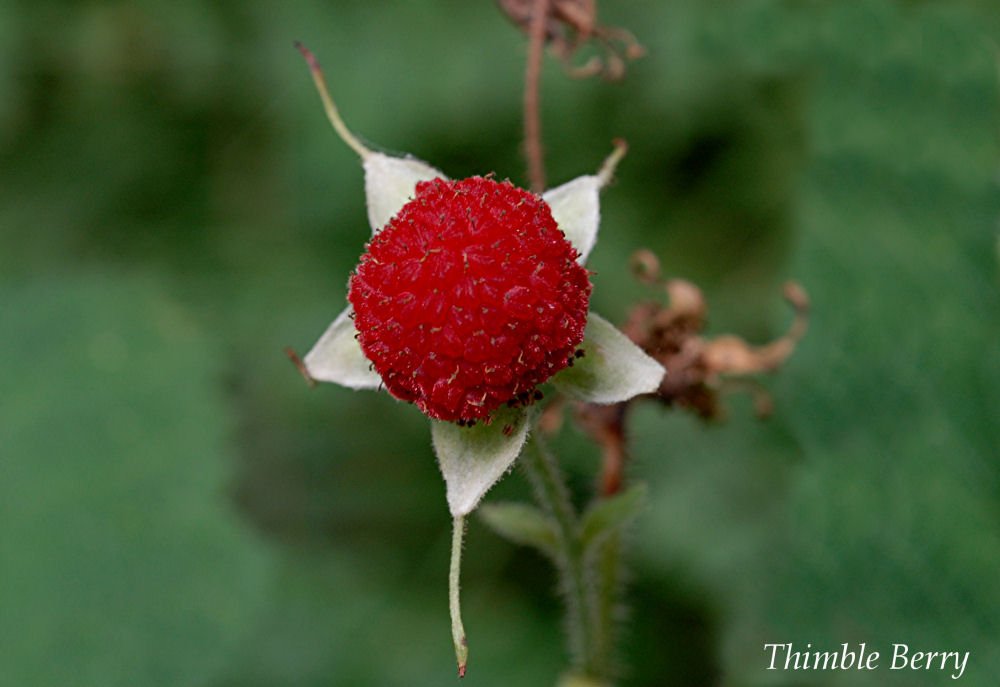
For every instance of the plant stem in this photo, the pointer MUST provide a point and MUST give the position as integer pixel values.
(457, 629)
(331, 108)
(609, 585)
(550, 490)
(532, 80)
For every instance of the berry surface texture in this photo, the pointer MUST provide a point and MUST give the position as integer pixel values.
(469, 298)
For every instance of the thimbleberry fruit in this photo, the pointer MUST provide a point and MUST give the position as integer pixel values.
(469, 298)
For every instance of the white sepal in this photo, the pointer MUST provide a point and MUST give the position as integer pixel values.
(473, 459)
(390, 183)
(613, 369)
(337, 357)
(576, 208)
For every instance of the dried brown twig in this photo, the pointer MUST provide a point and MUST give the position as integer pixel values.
(566, 25)
(571, 24)
(533, 149)
(699, 370)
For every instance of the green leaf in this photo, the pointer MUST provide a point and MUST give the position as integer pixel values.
(608, 515)
(576, 208)
(337, 357)
(522, 524)
(124, 562)
(613, 368)
(473, 459)
(390, 183)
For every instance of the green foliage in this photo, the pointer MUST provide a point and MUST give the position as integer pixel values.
(607, 516)
(121, 565)
(521, 524)
(862, 511)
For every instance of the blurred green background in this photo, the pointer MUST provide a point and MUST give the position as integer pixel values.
(177, 508)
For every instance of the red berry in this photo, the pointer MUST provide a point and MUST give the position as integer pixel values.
(469, 298)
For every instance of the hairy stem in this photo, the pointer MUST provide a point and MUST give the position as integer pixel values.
(532, 96)
(457, 629)
(550, 490)
(332, 113)
(608, 592)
